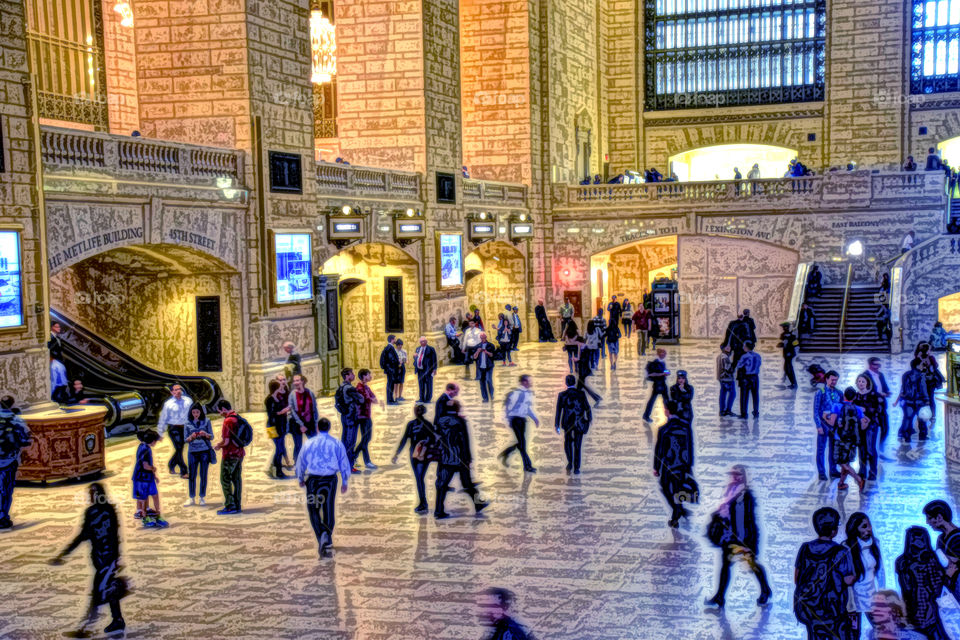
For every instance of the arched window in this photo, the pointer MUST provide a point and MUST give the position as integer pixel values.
(935, 47)
(712, 53)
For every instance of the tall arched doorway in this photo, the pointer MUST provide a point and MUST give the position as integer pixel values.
(628, 271)
(380, 295)
(949, 312)
(174, 309)
(718, 162)
(497, 276)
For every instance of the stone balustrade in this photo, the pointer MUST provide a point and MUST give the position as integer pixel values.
(338, 180)
(487, 192)
(853, 188)
(140, 158)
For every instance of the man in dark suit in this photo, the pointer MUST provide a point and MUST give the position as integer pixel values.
(880, 385)
(390, 363)
(348, 403)
(444, 402)
(751, 333)
(483, 356)
(573, 417)
(673, 462)
(615, 310)
(55, 344)
(455, 459)
(425, 364)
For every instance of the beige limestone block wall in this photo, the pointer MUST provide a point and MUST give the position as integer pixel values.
(380, 83)
(152, 317)
(495, 88)
(192, 71)
(623, 83)
(120, 58)
(24, 361)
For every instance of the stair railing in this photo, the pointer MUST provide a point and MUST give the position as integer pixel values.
(846, 301)
(799, 292)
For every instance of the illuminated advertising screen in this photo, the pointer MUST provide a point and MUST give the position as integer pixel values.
(294, 282)
(11, 284)
(451, 260)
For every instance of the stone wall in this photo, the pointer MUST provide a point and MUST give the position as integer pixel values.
(501, 281)
(120, 58)
(24, 368)
(495, 89)
(192, 71)
(380, 83)
(622, 76)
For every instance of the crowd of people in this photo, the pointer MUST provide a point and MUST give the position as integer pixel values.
(836, 584)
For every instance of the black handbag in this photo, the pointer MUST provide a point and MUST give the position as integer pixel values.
(719, 531)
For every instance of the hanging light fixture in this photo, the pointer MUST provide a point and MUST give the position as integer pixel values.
(126, 13)
(323, 44)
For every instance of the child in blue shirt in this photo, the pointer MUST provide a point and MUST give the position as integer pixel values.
(145, 481)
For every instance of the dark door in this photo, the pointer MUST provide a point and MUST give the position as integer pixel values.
(209, 352)
(576, 299)
(393, 294)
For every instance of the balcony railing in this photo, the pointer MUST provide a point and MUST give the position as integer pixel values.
(491, 193)
(339, 180)
(126, 157)
(825, 190)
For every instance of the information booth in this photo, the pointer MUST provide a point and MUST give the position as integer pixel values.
(666, 309)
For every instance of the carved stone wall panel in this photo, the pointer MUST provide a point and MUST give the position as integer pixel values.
(266, 337)
(212, 230)
(768, 298)
(25, 375)
(78, 230)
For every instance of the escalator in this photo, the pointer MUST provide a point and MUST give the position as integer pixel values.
(132, 391)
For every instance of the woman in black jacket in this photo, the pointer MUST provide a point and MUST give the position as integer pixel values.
(742, 537)
(419, 431)
(682, 393)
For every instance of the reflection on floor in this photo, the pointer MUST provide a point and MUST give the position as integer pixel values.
(589, 556)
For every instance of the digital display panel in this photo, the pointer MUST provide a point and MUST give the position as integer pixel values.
(11, 283)
(411, 227)
(450, 260)
(346, 227)
(293, 268)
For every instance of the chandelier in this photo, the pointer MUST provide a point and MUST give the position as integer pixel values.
(323, 44)
(126, 13)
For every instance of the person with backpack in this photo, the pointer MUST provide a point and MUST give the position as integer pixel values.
(456, 458)
(519, 406)
(922, 580)
(235, 434)
(848, 422)
(145, 480)
(349, 403)
(913, 396)
(822, 573)
(788, 344)
(14, 437)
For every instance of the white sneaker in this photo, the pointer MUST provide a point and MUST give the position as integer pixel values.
(203, 502)
(189, 502)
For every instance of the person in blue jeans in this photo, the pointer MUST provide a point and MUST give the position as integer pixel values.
(913, 396)
(748, 373)
(657, 374)
(198, 434)
(725, 376)
(823, 407)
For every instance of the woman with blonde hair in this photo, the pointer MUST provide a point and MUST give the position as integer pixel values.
(733, 528)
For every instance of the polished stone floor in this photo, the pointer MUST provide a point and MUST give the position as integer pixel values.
(590, 557)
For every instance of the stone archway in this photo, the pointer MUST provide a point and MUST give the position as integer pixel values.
(717, 162)
(380, 295)
(143, 300)
(497, 276)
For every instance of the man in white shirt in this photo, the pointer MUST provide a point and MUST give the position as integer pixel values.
(471, 340)
(453, 341)
(519, 407)
(173, 415)
(58, 381)
(321, 458)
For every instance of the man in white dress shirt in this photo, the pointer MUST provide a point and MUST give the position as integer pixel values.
(519, 407)
(471, 340)
(173, 415)
(321, 458)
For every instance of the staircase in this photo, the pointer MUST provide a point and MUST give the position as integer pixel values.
(860, 330)
(827, 309)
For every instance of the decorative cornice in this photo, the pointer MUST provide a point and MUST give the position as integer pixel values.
(765, 116)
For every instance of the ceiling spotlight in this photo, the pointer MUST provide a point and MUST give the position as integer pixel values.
(346, 210)
(523, 217)
(483, 215)
(410, 213)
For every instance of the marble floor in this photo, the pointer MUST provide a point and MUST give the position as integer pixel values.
(590, 557)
